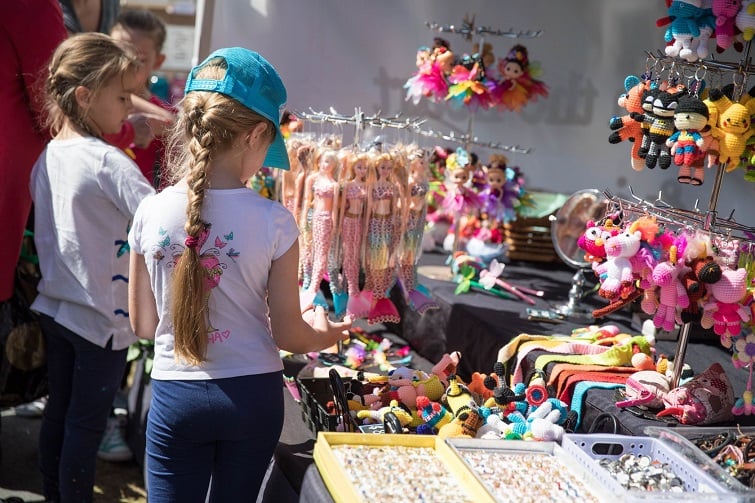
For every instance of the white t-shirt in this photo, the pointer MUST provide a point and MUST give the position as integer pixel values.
(247, 233)
(85, 193)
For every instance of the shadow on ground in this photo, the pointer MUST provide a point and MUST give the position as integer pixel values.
(19, 475)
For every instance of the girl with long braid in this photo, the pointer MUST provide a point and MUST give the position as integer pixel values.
(213, 270)
(383, 195)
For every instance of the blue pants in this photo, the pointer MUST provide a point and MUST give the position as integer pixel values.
(83, 380)
(224, 429)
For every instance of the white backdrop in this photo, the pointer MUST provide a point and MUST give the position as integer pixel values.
(358, 53)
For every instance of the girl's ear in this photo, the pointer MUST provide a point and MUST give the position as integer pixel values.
(257, 132)
(83, 95)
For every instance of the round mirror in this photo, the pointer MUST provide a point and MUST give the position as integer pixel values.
(567, 226)
(570, 223)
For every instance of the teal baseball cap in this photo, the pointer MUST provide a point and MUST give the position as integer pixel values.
(252, 81)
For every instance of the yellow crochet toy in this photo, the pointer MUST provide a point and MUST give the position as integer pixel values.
(733, 127)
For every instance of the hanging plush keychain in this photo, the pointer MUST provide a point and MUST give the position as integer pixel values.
(687, 143)
(733, 127)
(661, 126)
(726, 30)
(624, 127)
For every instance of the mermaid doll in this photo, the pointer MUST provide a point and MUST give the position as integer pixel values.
(292, 181)
(322, 196)
(415, 211)
(383, 195)
(306, 157)
(352, 207)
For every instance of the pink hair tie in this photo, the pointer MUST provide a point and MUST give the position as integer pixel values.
(191, 242)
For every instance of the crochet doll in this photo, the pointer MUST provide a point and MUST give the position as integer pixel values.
(415, 210)
(687, 143)
(352, 209)
(322, 195)
(383, 195)
(624, 127)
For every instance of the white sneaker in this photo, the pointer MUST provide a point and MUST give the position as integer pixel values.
(113, 445)
(32, 409)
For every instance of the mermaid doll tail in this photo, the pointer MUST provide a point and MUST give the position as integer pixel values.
(420, 300)
(383, 310)
(358, 306)
(340, 303)
(320, 300)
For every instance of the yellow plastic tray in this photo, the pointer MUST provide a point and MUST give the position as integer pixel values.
(343, 491)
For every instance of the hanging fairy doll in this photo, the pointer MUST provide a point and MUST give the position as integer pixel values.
(322, 196)
(460, 201)
(434, 64)
(517, 85)
(383, 195)
(415, 211)
(352, 208)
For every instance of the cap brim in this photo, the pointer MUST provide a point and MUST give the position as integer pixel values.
(277, 156)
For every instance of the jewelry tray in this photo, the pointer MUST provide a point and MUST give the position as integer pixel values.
(681, 438)
(450, 454)
(700, 481)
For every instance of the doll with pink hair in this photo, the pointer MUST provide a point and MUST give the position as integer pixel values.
(383, 196)
(322, 195)
(352, 208)
(414, 213)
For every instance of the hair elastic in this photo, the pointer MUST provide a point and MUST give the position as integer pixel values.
(191, 242)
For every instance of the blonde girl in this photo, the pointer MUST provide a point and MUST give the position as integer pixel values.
(212, 276)
(85, 193)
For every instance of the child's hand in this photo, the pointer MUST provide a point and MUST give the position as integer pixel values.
(317, 318)
(146, 127)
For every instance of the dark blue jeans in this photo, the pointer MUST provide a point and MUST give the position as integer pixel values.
(83, 380)
(221, 429)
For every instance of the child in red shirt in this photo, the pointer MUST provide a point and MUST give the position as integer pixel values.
(141, 136)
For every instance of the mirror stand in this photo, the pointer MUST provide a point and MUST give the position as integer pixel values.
(574, 307)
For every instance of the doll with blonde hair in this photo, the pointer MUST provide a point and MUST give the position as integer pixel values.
(321, 194)
(415, 212)
(383, 197)
(353, 207)
(213, 271)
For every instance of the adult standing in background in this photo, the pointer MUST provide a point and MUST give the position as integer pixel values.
(22, 77)
(89, 15)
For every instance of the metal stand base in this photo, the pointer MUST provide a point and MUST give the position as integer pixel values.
(574, 308)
